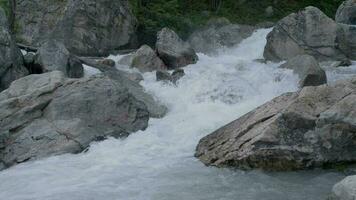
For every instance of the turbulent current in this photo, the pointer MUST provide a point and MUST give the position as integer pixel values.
(159, 163)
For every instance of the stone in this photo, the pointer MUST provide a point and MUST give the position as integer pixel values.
(177, 75)
(314, 127)
(309, 31)
(308, 70)
(346, 13)
(173, 51)
(11, 62)
(218, 34)
(347, 40)
(163, 76)
(53, 55)
(107, 62)
(166, 76)
(48, 114)
(85, 27)
(145, 59)
(345, 189)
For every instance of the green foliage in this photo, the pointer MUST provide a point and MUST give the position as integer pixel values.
(185, 15)
(4, 4)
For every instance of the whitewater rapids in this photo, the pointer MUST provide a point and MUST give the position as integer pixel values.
(159, 163)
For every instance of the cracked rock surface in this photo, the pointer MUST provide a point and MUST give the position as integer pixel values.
(314, 127)
(48, 114)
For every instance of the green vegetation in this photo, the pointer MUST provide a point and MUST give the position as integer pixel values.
(5, 5)
(185, 15)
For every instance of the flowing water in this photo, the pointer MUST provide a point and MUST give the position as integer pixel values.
(159, 163)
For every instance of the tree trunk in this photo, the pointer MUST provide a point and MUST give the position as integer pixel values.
(215, 5)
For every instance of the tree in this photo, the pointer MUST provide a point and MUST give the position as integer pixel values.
(12, 14)
(215, 5)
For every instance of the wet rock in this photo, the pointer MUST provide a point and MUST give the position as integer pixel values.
(85, 27)
(107, 62)
(48, 114)
(11, 62)
(53, 55)
(144, 59)
(308, 70)
(346, 13)
(136, 77)
(343, 63)
(174, 52)
(166, 76)
(217, 34)
(345, 189)
(309, 31)
(314, 127)
(347, 40)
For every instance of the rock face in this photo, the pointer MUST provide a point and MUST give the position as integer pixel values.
(174, 52)
(345, 190)
(166, 76)
(215, 35)
(346, 13)
(86, 27)
(11, 62)
(347, 40)
(309, 31)
(144, 59)
(53, 56)
(48, 114)
(308, 70)
(314, 127)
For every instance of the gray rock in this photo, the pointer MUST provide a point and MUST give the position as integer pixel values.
(218, 34)
(136, 77)
(347, 40)
(86, 27)
(174, 52)
(107, 62)
(126, 60)
(53, 55)
(145, 59)
(314, 127)
(48, 114)
(309, 31)
(343, 63)
(166, 76)
(11, 60)
(308, 70)
(345, 189)
(346, 13)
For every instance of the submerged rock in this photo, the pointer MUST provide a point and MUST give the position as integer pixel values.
(217, 34)
(345, 189)
(144, 59)
(308, 70)
(48, 114)
(166, 76)
(53, 55)
(314, 127)
(309, 31)
(86, 27)
(346, 13)
(107, 62)
(174, 52)
(11, 62)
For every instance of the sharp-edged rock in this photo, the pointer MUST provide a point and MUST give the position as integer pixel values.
(11, 62)
(174, 52)
(308, 31)
(315, 127)
(47, 114)
(345, 189)
(308, 70)
(54, 56)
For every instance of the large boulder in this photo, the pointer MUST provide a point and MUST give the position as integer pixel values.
(345, 189)
(47, 114)
(144, 59)
(347, 40)
(308, 70)
(217, 34)
(315, 127)
(346, 13)
(86, 27)
(54, 56)
(11, 60)
(309, 31)
(174, 52)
